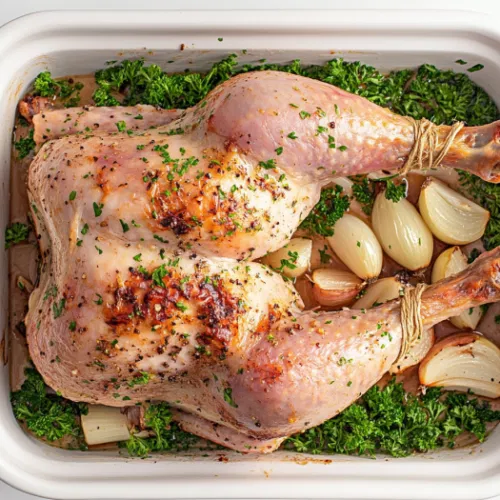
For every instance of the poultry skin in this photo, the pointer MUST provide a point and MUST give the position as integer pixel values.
(147, 235)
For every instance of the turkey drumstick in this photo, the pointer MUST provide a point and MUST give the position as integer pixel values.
(247, 164)
(140, 297)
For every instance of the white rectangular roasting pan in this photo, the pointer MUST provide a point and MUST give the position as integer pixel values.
(80, 42)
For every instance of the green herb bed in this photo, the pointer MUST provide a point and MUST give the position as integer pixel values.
(388, 420)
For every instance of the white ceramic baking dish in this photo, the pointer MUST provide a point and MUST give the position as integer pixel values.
(79, 42)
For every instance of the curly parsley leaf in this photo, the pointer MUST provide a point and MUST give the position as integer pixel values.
(394, 422)
(25, 145)
(48, 416)
(46, 86)
(167, 434)
(364, 193)
(15, 233)
(150, 85)
(394, 192)
(330, 208)
(141, 379)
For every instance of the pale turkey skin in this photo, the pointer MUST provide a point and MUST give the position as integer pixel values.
(217, 335)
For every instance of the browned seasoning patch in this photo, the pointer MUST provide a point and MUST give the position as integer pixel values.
(198, 199)
(141, 300)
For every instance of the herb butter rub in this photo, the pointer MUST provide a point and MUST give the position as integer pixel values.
(141, 297)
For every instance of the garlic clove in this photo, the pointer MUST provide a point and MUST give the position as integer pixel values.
(451, 262)
(463, 362)
(451, 217)
(292, 260)
(402, 232)
(379, 292)
(335, 288)
(357, 247)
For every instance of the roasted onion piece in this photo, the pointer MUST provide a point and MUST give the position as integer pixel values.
(451, 217)
(463, 362)
(451, 262)
(402, 232)
(357, 247)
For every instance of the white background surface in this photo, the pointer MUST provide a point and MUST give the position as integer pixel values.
(12, 9)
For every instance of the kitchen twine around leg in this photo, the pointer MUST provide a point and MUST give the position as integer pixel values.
(411, 320)
(426, 145)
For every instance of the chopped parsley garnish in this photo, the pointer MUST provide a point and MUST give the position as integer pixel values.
(324, 256)
(475, 68)
(48, 416)
(395, 192)
(304, 114)
(141, 379)
(51, 292)
(158, 274)
(178, 165)
(228, 397)
(181, 306)
(85, 229)
(292, 135)
(15, 233)
(97, 208)
(174, 263)
(268, 165)
(25, 145)
(395, 422)
(175, 131)
(363, 192)
(288, 263)
(99, 300)
(330, 208)
(46, 86)
(279, 150)
(99, 250)
(159, 238)
(58, 308)
(121, 126)
(125, 226)
(72, 195)
(138, 257)
(150, 85)
(167, 434)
